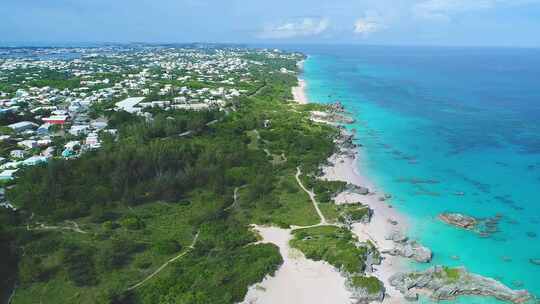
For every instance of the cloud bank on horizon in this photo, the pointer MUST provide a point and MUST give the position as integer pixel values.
(437, 22)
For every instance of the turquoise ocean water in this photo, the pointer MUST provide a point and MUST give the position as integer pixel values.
(448, 129)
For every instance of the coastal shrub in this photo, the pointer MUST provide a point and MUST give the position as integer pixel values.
(118, 253)
(31, 270)
(371, 284)
(79, 264)
(167, 246)
(337, 246)
(100, 215)
(453, 274)
(132, 223)
(350, 213)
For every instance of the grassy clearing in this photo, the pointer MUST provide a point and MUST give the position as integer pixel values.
(286, 205)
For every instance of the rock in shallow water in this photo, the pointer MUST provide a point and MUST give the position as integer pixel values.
(411, 296)
(412, 250)
(535, 261)
(396, 236)
(459, 220)
(447, 283)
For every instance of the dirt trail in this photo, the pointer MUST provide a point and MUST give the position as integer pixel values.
(166, 264)
(312, 197)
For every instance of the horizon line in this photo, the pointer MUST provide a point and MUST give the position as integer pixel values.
(80, 44)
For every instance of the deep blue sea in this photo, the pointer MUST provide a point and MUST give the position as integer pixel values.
(448, 129)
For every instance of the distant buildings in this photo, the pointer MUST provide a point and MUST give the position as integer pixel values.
(22, 126)
(56, 119)
(129, 104)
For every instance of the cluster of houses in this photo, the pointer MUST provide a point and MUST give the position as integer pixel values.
(45, 118)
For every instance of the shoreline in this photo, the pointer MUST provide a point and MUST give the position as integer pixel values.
(344, 166)
(299, 92)
(303, 281)
(300, 280)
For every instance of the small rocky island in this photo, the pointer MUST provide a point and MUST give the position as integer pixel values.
(443, 283)
(459, 220)
(483, 226)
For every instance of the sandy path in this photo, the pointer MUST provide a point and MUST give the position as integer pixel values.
(311, 196)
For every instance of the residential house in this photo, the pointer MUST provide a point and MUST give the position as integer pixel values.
(17, 154)
(23, 126)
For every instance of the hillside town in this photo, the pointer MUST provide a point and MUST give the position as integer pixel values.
(55, 102)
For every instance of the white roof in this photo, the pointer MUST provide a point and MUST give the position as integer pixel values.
(7, 173)
(129, 104)
(22, 124)
(193, 106)
(56, 117)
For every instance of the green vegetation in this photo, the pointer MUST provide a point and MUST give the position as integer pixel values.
(334, 245)
(341, 249)
(453, 274)
(101, 223)
(371, 284)
(325, 190)
(351, 213)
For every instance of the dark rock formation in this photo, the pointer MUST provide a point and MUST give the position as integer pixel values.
(357, 189)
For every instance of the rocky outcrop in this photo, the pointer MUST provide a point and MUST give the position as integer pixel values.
(459, 220)
(331, 117)
(412, 250)
(535, 261)
(396, 236)
(366, 290)
(345, 140)
(357, 189)
(355, 213)
(373, 257)
(485, 227)
(407, 248)
(445, 283)
(336, 107)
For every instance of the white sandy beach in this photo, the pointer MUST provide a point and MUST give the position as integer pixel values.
(298, 280)
(299, 92)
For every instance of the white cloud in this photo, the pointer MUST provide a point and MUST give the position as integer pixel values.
(371, 22)
(304, 27)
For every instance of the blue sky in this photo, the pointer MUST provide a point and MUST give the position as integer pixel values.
(416, 22)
